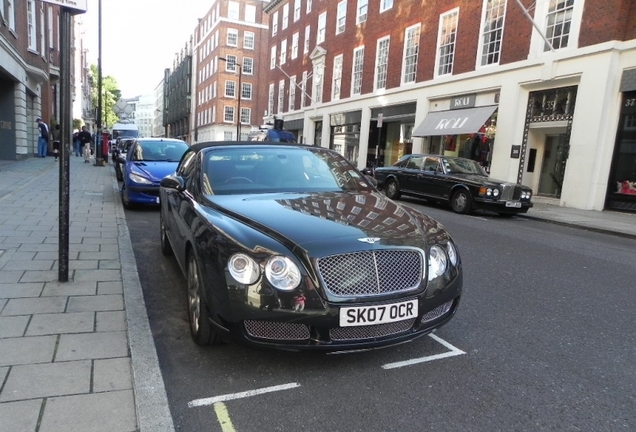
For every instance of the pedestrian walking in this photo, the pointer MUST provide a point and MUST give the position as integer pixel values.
(43, 139)
(57, 134)
(85, 139)
(77, 144)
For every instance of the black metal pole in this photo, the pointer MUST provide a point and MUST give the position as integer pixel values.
(65, 141)
(98, 138)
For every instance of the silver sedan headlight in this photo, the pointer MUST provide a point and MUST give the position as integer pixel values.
(282, 273)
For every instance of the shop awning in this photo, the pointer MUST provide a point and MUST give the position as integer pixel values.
(454, 122)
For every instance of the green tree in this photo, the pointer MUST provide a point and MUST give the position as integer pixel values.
(110, 95)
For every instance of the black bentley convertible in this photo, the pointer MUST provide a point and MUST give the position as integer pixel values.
(289, 246)
(460, 182)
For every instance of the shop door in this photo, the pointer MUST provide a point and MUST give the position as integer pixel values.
(551, 177)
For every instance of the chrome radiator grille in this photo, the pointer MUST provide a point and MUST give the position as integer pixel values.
(510, 192)
(370, 331)
(277, 330)
(372, 272)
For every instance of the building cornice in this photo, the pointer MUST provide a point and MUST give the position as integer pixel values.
(38, 75)
(272, 5)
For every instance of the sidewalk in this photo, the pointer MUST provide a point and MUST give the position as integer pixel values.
(79, 355)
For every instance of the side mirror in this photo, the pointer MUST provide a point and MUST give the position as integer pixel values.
(371, 180)
(173, 182)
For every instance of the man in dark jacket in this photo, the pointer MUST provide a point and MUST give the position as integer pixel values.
(85, 139)
(43, 139)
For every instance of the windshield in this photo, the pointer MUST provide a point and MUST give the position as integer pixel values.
(159, 151)
(250, 170)
(125, 133)
(463, 166)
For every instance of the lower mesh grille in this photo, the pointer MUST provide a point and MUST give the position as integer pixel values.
(277, 330)
(369, 332)
(437, 312)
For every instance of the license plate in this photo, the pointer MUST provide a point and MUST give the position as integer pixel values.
(378, 314)
(515, 204)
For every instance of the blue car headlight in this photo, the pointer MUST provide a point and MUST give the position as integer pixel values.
(136, 178)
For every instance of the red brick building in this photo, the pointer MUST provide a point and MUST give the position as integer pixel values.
(228, 60)
(29, 73)
(533, 90)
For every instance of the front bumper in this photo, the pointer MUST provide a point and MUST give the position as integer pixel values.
(500, 206)
(148, 195)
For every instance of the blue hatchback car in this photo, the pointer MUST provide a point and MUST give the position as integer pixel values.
(147, 162)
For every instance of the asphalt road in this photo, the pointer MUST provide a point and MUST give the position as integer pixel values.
(543, 341)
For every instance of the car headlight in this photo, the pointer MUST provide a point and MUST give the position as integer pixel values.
(282, 273)
(437, 262)
(243, 268)
(495, 193)
(452, 253)
(138, 179)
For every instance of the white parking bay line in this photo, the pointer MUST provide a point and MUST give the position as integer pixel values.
(453, 351)
(232, 396)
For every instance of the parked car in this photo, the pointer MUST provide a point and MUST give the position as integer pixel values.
(147, 161)
(289, 246)
(119, 154)
(460, 182)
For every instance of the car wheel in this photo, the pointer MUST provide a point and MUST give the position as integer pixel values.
(166, 247)
(118, 172)
(124, 198)
(198, 314)
(461, 202)
(392, 189)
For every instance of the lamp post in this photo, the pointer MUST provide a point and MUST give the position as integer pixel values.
(238, 96)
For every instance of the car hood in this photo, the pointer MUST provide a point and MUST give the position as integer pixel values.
(478, 179)
(326, 220)
(154, 171)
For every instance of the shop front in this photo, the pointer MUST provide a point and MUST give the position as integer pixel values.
(465, 130)
(621, 194)
(345, 134)
(390, 134)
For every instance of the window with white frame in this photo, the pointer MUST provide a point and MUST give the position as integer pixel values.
(32, 22)
(272, 57)
(292, 93)
(230, 89)
(318, 78)
(228, 135)
(246, 91)
(11, 14)
(294, 49)
(381, 62)
(341, 17)
(214, 89)
(446, 42)
(491, 32)
(228, 114)
(558, 23)
(281, 96)
(213, 119)
(336, 82)
(411, 49)
(308, 6)
(274, 23)
(250, 13)
(356, 74)
(306, 43)
(385, 5)
(230, 63)
(248, 40)
(285, 16)
(322, 28)
(233, 10)
(248, 66)
(232, 37)
(43, 31)
(246, 115)
(361, 11)
(51, 27)
(270, 100)
(283, 51)
(296, 10)
(303, 90)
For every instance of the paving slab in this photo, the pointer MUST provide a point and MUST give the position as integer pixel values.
(20, 416)
(110, 321)
(97, 275)
(17, 290)
(98, 412)
(72, 288)
(13, 326)
(109, 288)
(112, 374)
(27, 350)
(99, 345)
(107, 302)
(27, 306)
(47, 379)
(60, 323)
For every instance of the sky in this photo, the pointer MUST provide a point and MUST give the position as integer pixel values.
(140, 38)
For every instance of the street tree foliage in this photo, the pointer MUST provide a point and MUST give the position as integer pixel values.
(110, 95)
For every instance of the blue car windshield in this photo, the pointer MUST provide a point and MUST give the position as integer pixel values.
(250, 170)
(159, 151)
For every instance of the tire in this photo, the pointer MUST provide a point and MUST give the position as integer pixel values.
(124, 198)
(198, 313)
(392, 189)
(118, 173)
(461, 202)
(166, 247)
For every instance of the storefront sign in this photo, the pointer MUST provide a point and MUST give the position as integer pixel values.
(454, 122)
(78, 5)
(515, 152)
(461, 102)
